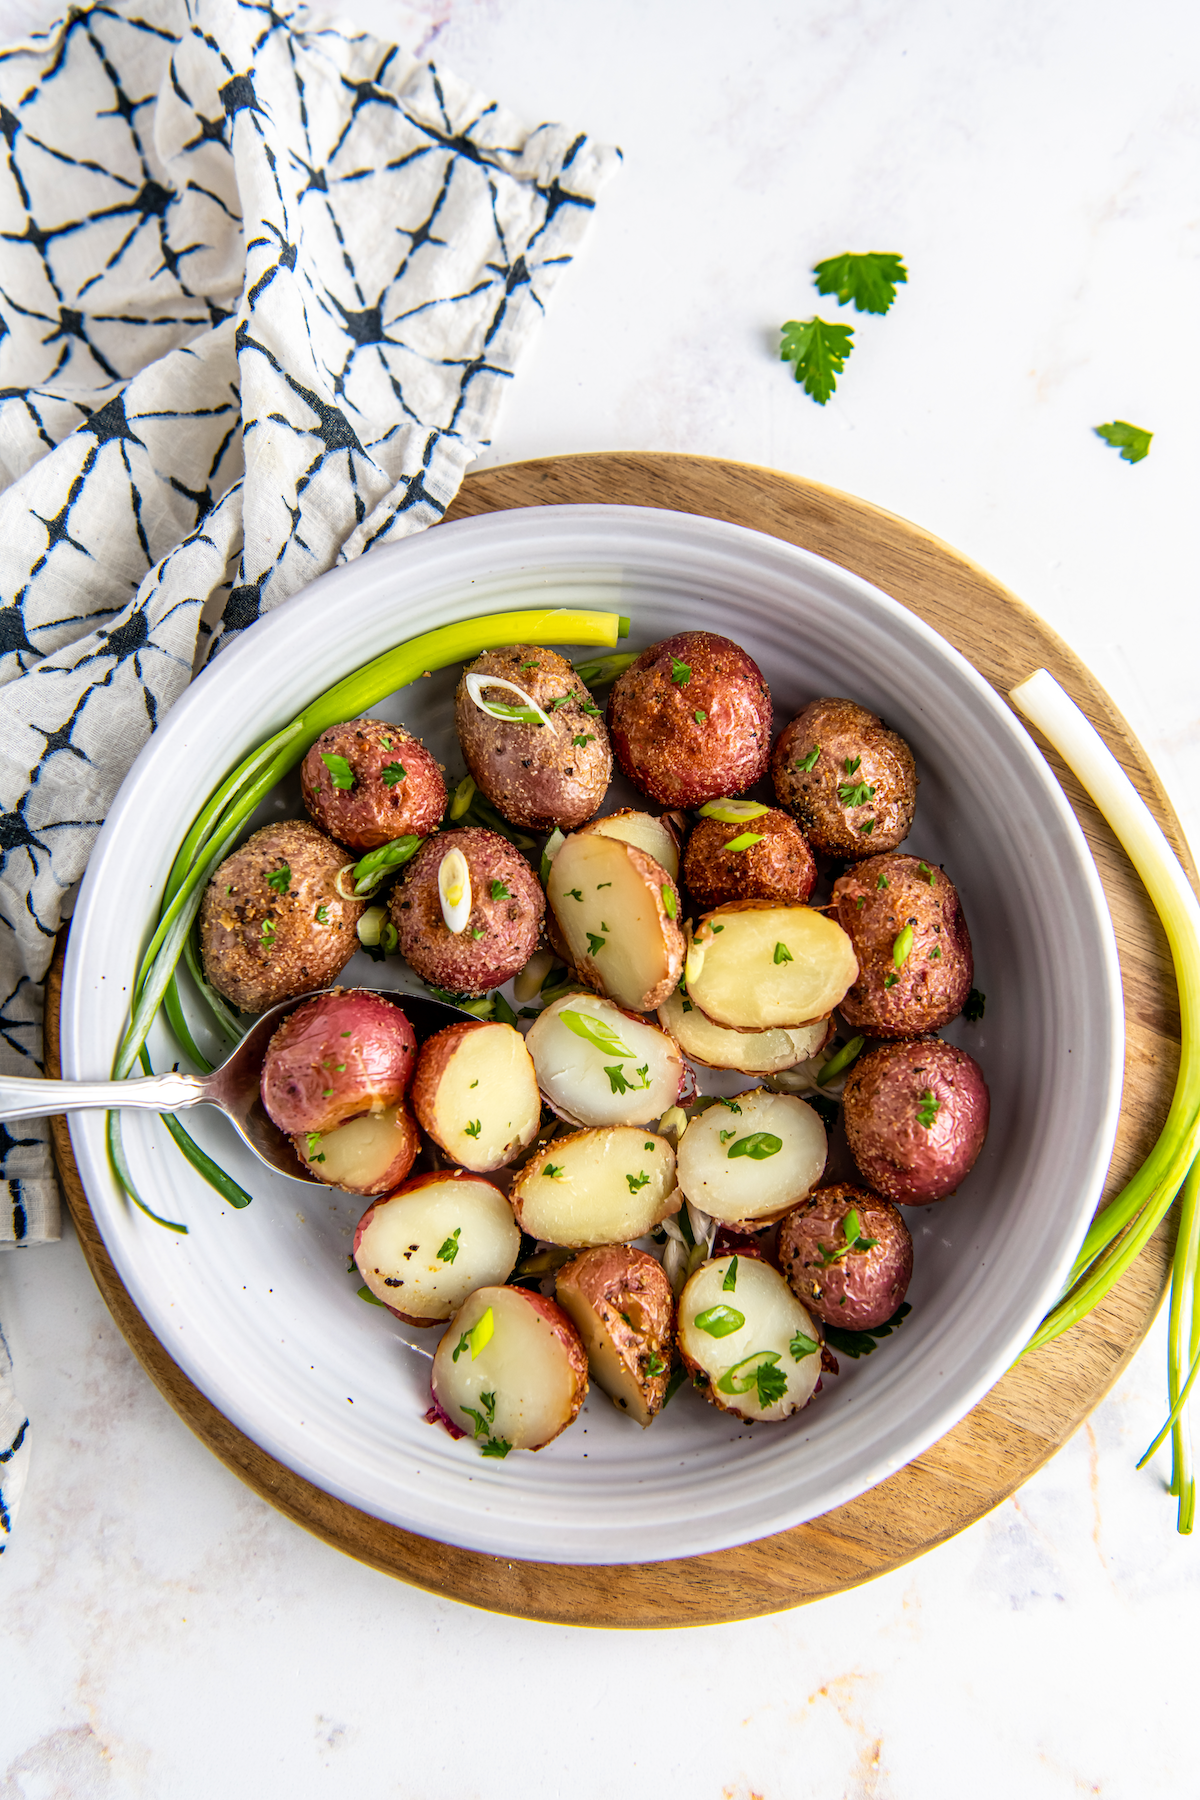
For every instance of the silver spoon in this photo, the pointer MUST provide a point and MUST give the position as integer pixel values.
(233, 1088)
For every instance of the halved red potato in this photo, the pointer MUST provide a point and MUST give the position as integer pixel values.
(511, 1371)
(751, 1052)
(476, 1094)
(597, 1065)
(617, 912)
(597, 1187)
(423, 1249)
(749, 1159)
(623, 1309)
(750, 1346)
(753, 966)
(652, 832)
(338, 1055)
(367, 1155)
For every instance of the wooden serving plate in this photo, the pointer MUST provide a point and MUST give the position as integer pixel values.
(1036, 1406)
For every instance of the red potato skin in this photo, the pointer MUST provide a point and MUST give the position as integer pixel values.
(571, 1342)
(908, 1162)
(658, 741)
(536, 777)
(932, 986)
(844, 733)
(301, 1063)
(608, 1278)
(865, 1287)
(372, 812)
(509, 927)
(779, 868)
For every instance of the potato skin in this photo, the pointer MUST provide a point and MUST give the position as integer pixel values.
(607, 1279)
(536, 776)
(909, 1162)
(780, 867)
(372, 812)
(663, 748)
(339, 1055)
(845, 734)
(260, 947)
(931, 987)
(509, 926)
(862, 1288)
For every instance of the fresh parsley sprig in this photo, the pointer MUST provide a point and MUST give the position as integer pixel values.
(819, 350)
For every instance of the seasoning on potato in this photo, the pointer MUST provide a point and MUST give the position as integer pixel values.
(744, 851)
(272, 923)
(542, 765)
(368, 782)
(621, 1304)
(429, 1244)
(476, 1094)
(691, 719)
(500, 924)
(848, 1255)
(747, 1341)
(850, 782)
(906, 924)
(916, 1118)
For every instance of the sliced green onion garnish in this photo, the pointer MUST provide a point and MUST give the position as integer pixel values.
(744, 1375)
(732, 812)
(744, 841)
(462, 797)
(377, 865)
(719, 1321)
(668, 900)
(526, 712)
(841, 1059)
(758, 1146)
(598, 671)
(902, 947)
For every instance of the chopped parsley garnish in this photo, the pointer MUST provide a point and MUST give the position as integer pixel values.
(802, 1346)
(726, 1135)
(477, 932)
(668, 900)
(1130, 440)
(743, 842)
(882, 882)
(808, 763)
(935, 955)
(902, 948)
(925, 870)
(869, 280)
(340, 772)
(819, 351)
(861, 1343)
(854, 1240)
(770, 1382)
(719, 1321)
(867, 827)
(729, 1285)
(590, 708)
(595, 943)
(637, 1181)
(731, 1104)
(928, 1110)
(479, 1335)
(974, 1009)
(322, 914)
(472, 1130)
(574, 893)
(758, 1146)
(855, 793)
(852, 764)
(620, 1082)
(311, 1140)
(280, 879)
(654, 1365)
(449, 1249)
(487, 1418)
(584, 738)
(559, 700)
(394, 773)
(554, 1171)
(783, 954)
(681, 672)
(700, 717)
(889, 981)
(500, 892)
(267, 934)
(496, 1446)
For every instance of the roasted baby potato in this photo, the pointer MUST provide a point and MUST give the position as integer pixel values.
(367, 782)
(746, 1160)
(754, 966)
(596, 1187)
(761, 858)
(691, 719)
(749, 1344)
(654, 833)
(272, 923)
(425, 1247)
(912, 944)
(621, 1304)
(597, 1065)
(510, 1372)
(501, 928)
(534, 775)
(335, 1056)
(617, 913)
(850, 781)
(368, 1155)
(916, 1116)
(476, 1094)
(751, 1052)
(848, 1256)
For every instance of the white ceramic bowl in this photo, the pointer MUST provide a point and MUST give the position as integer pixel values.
(257, 1306)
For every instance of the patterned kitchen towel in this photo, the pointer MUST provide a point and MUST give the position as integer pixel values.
(262, 281)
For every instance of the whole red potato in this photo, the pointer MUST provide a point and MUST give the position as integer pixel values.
(336, 1056)
(690, 720)
(916, 1116)
(847, 1255)
(367, 782)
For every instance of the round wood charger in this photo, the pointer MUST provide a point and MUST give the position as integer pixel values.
(1036, 1406)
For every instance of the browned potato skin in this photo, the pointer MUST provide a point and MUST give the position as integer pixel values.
(372, 813)
(510, 927)
(631, 1297)
(845, 731)
(908, 1162)
(299, 954)
(932, 987)
(865, 1287)
(659, 743)
(535, 776)
(780, 868)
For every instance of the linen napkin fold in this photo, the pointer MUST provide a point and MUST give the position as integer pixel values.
(262, 281)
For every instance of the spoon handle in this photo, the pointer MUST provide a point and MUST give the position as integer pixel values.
(31, 1097)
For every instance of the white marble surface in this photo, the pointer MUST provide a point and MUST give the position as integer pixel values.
(164, 1632)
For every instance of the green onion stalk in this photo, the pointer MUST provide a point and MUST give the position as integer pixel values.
(1121, 1231)
(218, 826)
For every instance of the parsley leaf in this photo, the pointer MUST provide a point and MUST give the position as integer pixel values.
(620, 1082)
(700, 717)
(819, 351)
(861, 1343)
(340, 772)
(783, 954)
(974, 1009)
(280, 879)
(869, 280)
(654, 1365)
(449, 1249)
(855, 793)
(802, 1346)
(595, 943)
(500, 892)
(394, 773)
(771, 1384)
(1130, 440)
(637, 1181)
(587, 737)
(472, 1130)
(681, 672)
(809, 762)
(554, 1171)
(496, 1447)
(322, 914)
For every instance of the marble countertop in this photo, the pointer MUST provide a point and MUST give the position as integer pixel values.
(165, 1632)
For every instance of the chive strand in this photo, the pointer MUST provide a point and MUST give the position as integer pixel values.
(116, 1155)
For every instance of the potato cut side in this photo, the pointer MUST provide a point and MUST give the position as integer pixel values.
(598, 1066)
(621, 1304)
(617, 912)
(423, 1250)
(765, 966)
(644, 829)
(756, 1349)
(751, 1052)
(476, 1094)
(367, 1155)
(596, 1187)
(751, 1157)
(510, 1372)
